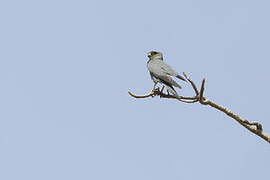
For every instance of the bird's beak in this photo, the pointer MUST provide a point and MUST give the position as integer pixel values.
(149, 54)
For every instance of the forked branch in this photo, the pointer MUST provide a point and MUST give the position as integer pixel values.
(254, 127)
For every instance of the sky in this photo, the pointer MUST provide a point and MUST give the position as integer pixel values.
(66, 68)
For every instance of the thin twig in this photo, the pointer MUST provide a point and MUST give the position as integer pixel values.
(192, 84)
(141, 96)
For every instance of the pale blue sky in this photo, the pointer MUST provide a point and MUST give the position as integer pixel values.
(66, 67)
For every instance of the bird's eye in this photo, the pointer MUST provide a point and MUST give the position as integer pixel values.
(153, 53)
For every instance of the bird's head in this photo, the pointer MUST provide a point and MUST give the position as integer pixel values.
(155, 55)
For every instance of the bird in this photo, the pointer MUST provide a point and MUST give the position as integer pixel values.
(161, 72)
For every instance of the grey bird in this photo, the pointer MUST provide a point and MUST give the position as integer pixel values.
(160, 72)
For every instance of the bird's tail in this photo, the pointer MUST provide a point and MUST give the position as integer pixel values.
(172, 91)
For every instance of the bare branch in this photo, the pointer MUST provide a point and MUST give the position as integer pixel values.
(253, 127)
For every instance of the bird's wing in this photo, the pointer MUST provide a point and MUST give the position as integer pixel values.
(162, 71)
(169, 71)
(159, 68)
(166, 68)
